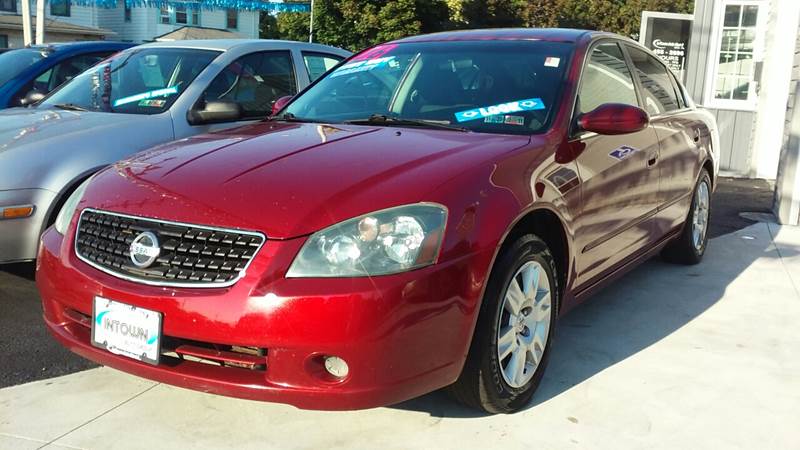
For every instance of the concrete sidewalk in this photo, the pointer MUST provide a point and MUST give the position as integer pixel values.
(669, 357)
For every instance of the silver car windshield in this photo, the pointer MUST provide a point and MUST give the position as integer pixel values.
(13, 62)
(146, 81)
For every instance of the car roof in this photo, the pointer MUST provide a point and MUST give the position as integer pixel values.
(228, 44)
(82, 45)
(539, 34)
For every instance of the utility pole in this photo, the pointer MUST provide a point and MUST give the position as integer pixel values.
(40, 21)
(27, 31)
(311, 24)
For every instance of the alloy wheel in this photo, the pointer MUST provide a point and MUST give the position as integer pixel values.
(700, 215)
(524, 324)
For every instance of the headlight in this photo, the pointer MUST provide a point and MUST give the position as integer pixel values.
(68, 210)
(384, 242)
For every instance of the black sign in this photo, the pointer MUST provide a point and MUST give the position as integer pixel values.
(669, 38)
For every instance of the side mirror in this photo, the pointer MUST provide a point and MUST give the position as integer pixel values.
(281, 103)
(614, 118)
(32, 97)
(217, 111)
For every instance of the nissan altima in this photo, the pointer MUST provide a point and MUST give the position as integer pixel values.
(416, 219)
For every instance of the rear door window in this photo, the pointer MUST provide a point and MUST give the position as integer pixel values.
(255, 81)
(658, 92)
(319, 63)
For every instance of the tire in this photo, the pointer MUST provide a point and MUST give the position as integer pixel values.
(688, 248)
(488, 381)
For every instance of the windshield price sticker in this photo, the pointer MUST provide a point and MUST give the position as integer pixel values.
(530, 104)
(145, 95)
(361, 66)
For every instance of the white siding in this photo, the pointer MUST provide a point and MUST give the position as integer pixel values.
(144, 25)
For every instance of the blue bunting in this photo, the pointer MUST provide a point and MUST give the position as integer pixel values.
(242, 5)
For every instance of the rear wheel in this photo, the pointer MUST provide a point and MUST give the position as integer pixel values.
(690, 246)
(515, 327)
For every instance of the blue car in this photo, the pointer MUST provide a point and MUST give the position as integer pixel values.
(28, 74)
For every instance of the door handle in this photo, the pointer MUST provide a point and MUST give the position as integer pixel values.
(696, 135)
(652, 160)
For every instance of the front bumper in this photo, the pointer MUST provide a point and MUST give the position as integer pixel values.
(402, 335)
(19, 238)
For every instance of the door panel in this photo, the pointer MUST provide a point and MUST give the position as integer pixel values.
(618, 173)
(678, 133)
(620, 198)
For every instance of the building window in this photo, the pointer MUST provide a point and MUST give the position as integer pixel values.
(3, 41)
(737, 42)
(60, 8)
(232, 19)
(164, 15)
(179, 15)
(8, 5)
(127, 11)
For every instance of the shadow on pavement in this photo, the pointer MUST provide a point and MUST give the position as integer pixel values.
(640, 309)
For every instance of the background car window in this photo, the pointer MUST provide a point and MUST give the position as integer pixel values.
(59, 74)
(317, 64)
(606, 79)
(658, 93)
(65, 71)
(13, 62)
(255, 81)
(143, 81)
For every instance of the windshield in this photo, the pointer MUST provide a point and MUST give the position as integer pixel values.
(13, 62)
(146, 81)
(506, 87)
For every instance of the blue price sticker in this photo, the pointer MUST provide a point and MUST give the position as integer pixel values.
(530, 104)
(146, 95)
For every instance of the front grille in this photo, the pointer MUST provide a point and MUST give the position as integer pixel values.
(190, 256)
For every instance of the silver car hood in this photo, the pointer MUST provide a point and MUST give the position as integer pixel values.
(34, 140)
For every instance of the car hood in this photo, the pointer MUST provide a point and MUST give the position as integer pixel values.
(31, 139)
(290, 179)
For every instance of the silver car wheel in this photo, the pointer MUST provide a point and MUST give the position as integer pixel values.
(524, 324)
(700, 215)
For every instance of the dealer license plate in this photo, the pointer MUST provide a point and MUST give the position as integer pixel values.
(126, 330)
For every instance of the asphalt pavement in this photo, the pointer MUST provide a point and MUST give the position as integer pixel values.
(31, 354)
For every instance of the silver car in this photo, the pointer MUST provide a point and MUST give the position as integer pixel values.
(141, 97)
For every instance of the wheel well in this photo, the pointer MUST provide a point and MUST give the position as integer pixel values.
(547, 226)
(65, 193)
(709, 166)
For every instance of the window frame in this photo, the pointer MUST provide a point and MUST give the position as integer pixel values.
(235, 17)
(65, 3)
(13, 8)
(681, 99)
(293, 66)
(304, 53)
(574, 132)
(712, 64)
(193, 16)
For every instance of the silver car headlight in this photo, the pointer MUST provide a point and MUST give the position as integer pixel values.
(384, 242)
(68, 210)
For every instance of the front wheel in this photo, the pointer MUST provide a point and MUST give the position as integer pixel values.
(690, 246)
(515, 327)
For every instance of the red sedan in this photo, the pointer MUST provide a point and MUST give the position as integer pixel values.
(417, 218)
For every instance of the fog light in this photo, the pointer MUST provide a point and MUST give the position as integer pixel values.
(336, 366)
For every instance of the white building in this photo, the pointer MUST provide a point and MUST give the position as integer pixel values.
(137, 24)
(744, 65)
